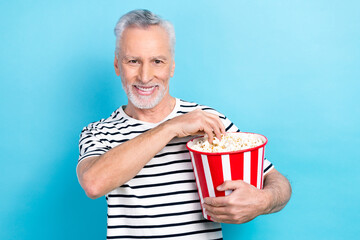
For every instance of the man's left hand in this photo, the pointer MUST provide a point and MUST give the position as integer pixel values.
(244, 204)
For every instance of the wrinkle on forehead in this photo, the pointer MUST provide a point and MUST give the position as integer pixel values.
(150, 42)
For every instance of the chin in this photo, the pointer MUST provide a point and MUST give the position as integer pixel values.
(145, 102)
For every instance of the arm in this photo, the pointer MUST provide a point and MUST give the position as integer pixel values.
(278, 191)
(246, 202)
(99, 175)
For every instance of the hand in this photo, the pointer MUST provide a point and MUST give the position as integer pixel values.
(198, 122)
(245, 203)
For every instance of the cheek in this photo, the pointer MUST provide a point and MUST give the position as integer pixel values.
(164, 74)
(128, 73)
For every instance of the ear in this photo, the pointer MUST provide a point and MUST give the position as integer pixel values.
(172, 69)
(116, 66)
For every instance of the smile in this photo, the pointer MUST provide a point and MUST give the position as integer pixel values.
(142, 90)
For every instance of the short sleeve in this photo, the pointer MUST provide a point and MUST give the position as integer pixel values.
(90, 145)
(267, 166)
(231, 127)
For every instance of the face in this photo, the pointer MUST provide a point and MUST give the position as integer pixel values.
(145, 65)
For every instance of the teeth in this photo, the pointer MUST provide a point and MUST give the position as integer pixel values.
(146, 89)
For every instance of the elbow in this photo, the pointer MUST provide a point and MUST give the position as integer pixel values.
(289, 190)
(92, 193)
(91, 187)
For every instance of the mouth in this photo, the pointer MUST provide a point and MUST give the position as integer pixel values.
(145, 90)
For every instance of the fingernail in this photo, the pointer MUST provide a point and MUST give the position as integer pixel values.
(219, 188)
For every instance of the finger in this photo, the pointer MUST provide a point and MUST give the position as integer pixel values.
(210, 210)
(212, 125)
(200, 133)
(230, 219)
(220, 218)
(209, 133)
(218, 122)
(221, 125)
(216, 201)
(232, 185)
(216, 130)
(222, 129)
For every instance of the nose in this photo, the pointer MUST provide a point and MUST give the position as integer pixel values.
(146, 73)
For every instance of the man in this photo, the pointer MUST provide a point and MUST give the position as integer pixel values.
(137, 157)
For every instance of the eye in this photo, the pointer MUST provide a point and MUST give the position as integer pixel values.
(158, 61)
(133, 61)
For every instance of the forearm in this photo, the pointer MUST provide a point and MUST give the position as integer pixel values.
(278, 191)
(100, 175)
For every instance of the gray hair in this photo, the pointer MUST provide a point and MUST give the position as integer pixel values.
(143, 18)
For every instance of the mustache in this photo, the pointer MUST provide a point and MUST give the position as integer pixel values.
(145, 85)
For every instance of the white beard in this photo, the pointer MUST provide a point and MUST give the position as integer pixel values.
(144, 102)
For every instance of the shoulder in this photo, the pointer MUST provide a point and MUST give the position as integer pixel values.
(115, 118)
(186, 106)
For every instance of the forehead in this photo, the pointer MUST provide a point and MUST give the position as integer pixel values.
(153, 40)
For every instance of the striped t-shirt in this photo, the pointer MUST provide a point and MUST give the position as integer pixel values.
(161, 201)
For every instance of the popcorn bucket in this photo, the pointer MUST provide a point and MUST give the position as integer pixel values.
(212, 169)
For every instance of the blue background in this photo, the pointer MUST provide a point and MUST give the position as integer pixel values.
(287, 69)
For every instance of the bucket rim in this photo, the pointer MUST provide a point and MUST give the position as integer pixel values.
(229, 152)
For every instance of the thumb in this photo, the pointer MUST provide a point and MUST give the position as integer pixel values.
(230, 185)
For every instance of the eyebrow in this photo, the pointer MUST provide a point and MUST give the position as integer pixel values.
(129, 57)
(160, 57)
(126, 57)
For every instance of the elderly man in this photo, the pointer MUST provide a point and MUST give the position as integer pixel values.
(137, 157)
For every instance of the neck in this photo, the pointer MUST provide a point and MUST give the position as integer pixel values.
(155, 114)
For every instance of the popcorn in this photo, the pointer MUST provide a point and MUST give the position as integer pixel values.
(227, 143)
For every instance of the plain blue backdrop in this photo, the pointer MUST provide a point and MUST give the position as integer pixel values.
(287, 69)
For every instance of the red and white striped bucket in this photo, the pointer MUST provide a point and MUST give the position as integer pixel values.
(212, 169)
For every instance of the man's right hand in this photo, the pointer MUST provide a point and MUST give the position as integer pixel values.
(198, 122)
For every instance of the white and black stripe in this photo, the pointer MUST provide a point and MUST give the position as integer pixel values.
(161, 201)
